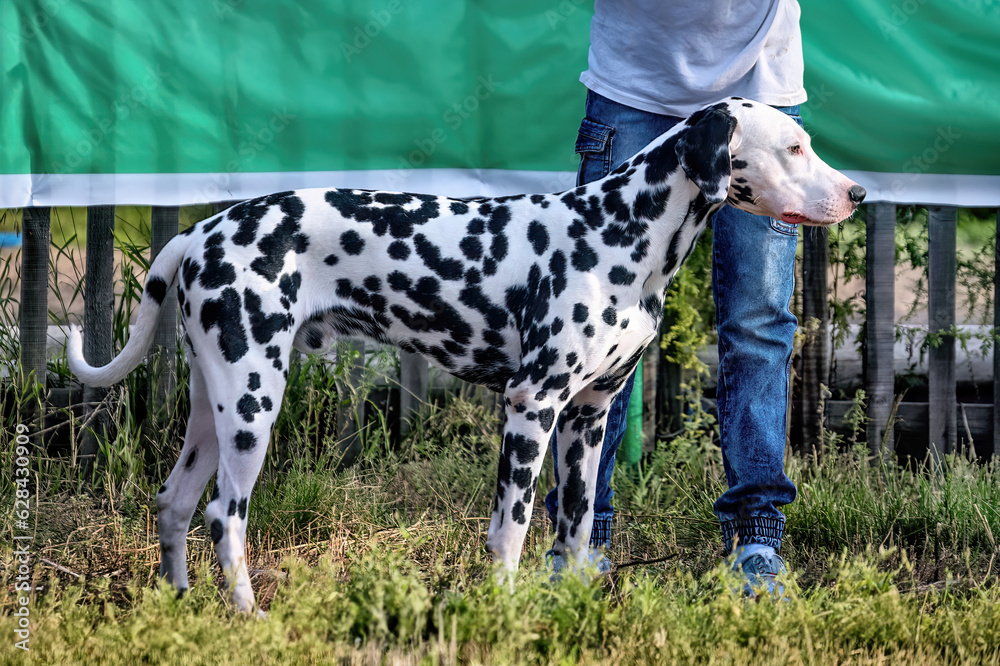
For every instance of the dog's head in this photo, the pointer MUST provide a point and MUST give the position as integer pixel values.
(759, 160)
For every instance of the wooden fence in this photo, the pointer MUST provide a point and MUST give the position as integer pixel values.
(939, 417)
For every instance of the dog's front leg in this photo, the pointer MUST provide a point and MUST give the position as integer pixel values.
(527, 426)
(580, 434)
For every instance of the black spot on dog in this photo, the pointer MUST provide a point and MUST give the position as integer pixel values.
(583, 258)
(247, 406)
(498, 248)
(399, 281)
(264, 326)
(215, 493)
(220, 408)
(391, 218)
(524, 448)
(163, 489)
(352, 242)
(459, 207)
(661, 161)
(621, 275)
(640, 251)
(225, 312)
(216, 530)
(242, 508)
(557, 268)
(331, 260)
(211, 224)
(245, 441)
(249, 213)
(399, 250)
(545, 418)
(589, 210)
(189, 271)
(284, 238)
(650, 204)
(446, 268)
(743, 193)
(253, 383)
(472, 248)
(476, 226)
(217, 273)
(156, 287)
(739, 164)
(615, 205)
(191, 458)
(289, 287)
(580, 313)
(265, 402)
(538, 236)
(232, 508)
(588, 330)
(517, 513)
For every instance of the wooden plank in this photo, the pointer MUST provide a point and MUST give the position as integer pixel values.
(651, 366)
(413, 384)
(98, 316)
(880, 333)
(815, 348)
(912, 417)
(161, 360)
(669, 376)
(220, 206)
(34, 312)
(941, 221)
(996, 343)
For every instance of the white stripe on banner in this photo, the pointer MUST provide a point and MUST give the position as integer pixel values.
(179, 189)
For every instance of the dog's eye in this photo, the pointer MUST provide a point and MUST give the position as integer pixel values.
(795, 150)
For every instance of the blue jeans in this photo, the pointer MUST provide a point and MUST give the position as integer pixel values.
(753, 276)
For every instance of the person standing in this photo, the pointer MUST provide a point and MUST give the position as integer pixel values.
(651, 64)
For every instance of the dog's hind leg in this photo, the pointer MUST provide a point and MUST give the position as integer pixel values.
(179, 496)
(246, 396)
(527, 426)
(580, 432)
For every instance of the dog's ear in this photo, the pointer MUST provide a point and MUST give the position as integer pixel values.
(703, 151)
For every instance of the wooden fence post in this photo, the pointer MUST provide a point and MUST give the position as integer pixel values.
(413, 385)
(98, 316)
(996, 341)
(941, 266)
(815, 348)
(161, 360)
(34, 315)
(880, 324)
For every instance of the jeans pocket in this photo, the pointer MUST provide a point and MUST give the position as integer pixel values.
(593, 145)
(783, 228)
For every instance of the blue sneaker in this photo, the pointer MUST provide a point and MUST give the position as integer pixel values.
(759, 566)
(599, 564)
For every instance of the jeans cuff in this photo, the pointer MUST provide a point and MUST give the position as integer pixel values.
(600, 537)
(766, 530)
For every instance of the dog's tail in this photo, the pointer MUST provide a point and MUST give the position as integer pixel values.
(160, 280)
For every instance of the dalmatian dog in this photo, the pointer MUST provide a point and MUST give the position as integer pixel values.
(550, 299)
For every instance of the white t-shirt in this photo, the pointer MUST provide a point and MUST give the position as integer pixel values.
(674, 56)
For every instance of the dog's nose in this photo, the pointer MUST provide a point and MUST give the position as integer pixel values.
(857, 194)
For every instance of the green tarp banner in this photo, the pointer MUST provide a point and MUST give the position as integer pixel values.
(223, 99)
